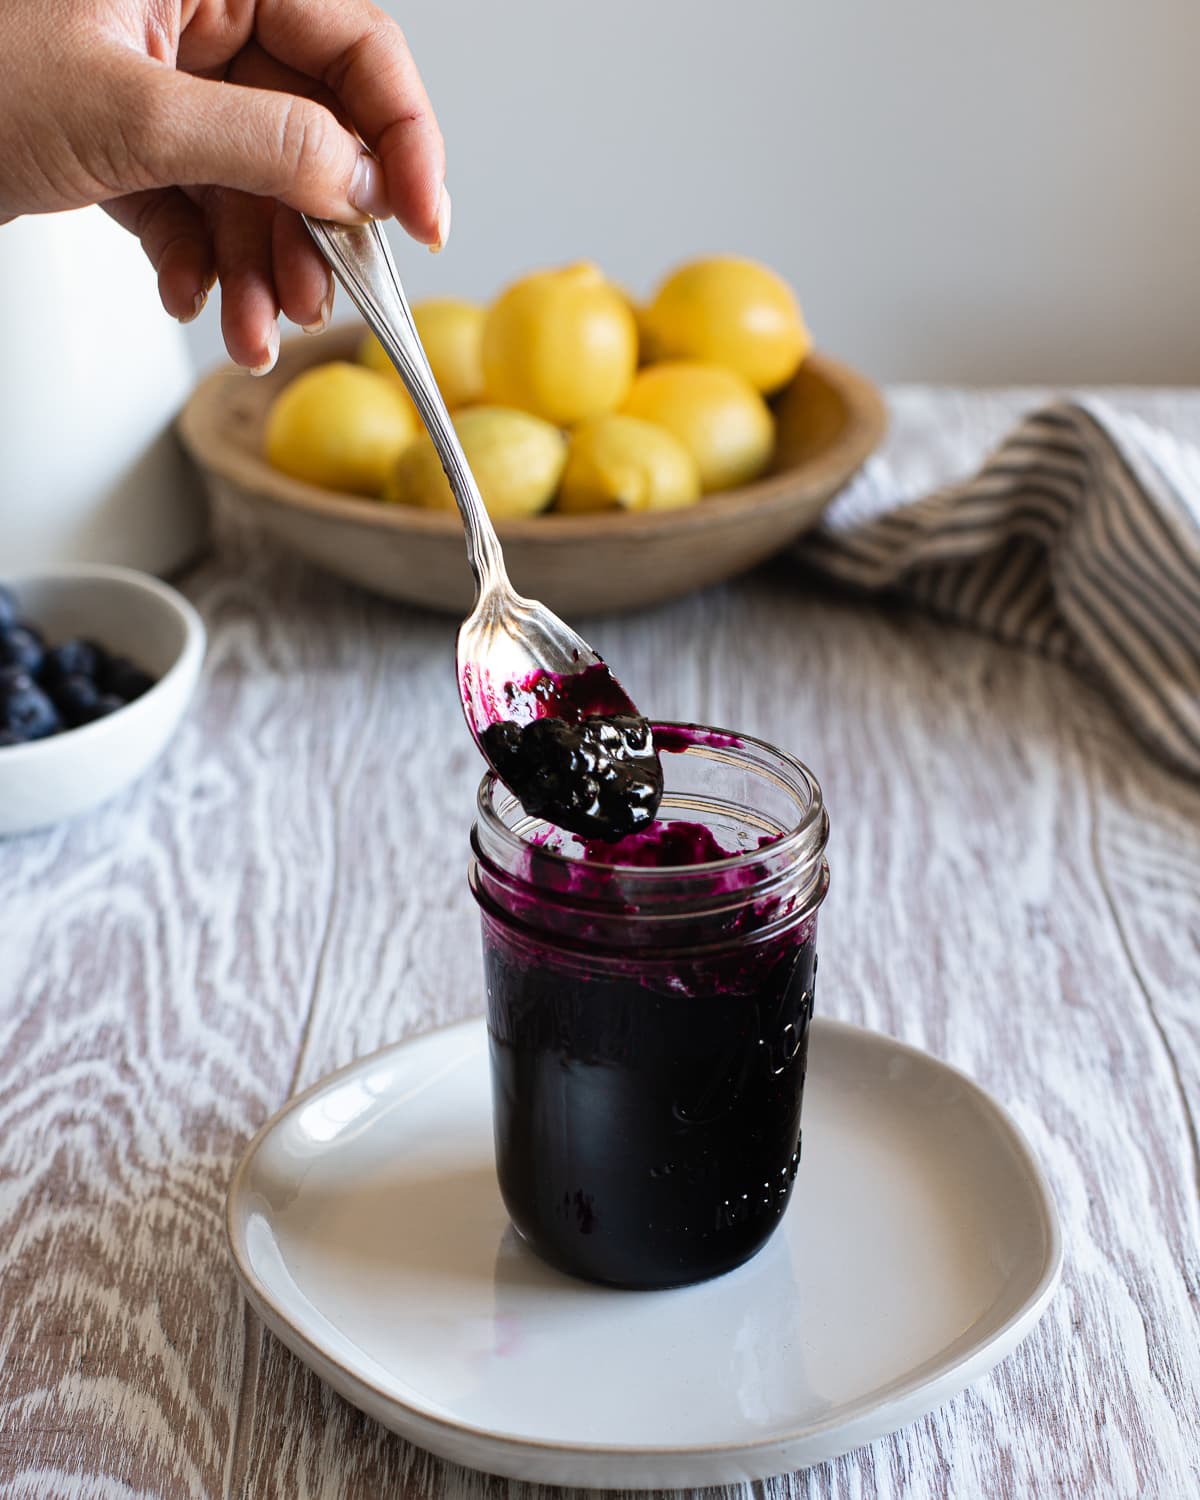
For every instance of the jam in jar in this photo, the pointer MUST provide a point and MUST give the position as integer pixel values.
(648, 1005)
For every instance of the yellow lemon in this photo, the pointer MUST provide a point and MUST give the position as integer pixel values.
(516, 458)
(638, 309)
(452, 333)
(561, 344)
(716, 414)
(729, 311)
(339, 426)
(370, 353)
(618, 461)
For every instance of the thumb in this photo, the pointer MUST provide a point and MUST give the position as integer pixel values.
(189, 131)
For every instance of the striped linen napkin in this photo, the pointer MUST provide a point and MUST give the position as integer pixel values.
(1079, 537)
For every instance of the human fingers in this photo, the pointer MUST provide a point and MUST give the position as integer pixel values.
(303, 280)
(242, 235)
(302, 276)
(189, 131)
(175, 236)
(360, 53)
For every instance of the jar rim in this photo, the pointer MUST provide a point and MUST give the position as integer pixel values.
(722, 744)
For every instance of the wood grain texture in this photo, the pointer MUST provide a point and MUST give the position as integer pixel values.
(1016, 886)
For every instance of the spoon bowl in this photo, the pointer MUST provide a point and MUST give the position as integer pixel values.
(518, 661)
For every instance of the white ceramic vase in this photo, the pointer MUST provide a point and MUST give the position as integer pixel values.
(92, 373)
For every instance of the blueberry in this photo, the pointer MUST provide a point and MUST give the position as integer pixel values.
(77, 699)
(71, 658)
(25, 710)
(8, 608)
(7, 737)
(600, 777)
(503, 740)
(108, 703)
(13, 682)
(21, 646)
(126, 681)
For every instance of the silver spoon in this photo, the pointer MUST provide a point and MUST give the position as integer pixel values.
(512, 651)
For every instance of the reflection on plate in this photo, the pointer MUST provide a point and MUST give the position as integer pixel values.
(920, 1247)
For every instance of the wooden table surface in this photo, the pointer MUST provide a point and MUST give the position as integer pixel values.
(1016, 887)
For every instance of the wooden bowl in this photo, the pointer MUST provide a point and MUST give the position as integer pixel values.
(829, 420)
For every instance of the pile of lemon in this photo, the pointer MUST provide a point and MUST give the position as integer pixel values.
(563, 394)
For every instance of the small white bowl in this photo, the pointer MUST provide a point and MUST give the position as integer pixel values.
(130, 614)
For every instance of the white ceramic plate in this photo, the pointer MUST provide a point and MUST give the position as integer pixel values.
(920, 1247)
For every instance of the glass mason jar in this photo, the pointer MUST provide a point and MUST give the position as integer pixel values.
(648, 1015)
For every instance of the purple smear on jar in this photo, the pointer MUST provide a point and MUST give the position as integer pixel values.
(680, 737)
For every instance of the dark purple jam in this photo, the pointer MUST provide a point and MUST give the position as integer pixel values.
(673, 845)
(586, 762)
(646, 1098)
(570, 695)
(677, 737)
(599, 778)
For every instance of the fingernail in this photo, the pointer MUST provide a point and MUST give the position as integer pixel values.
(368, 191)
(443, 222)
(197, 307)
(322, 319)
(268, 364)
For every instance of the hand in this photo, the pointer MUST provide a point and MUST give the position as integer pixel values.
(206, 126)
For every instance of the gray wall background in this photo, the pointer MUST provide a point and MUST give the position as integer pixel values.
(959, 191)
